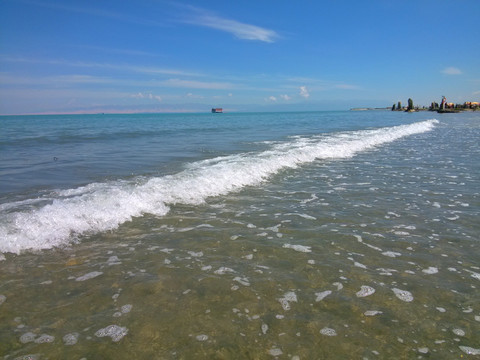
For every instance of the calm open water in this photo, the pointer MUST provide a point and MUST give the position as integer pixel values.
(321, 235)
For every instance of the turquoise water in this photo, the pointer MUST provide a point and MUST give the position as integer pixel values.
(264, 235)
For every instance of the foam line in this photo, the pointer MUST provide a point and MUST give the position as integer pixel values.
(99, 207)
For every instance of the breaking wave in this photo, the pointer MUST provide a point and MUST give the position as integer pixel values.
(99, 207)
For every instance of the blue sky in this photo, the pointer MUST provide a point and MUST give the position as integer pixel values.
(161, 56)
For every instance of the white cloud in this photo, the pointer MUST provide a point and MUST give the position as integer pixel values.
(304, 92)
(272, 98)
(194, 96)
(347, 87)
(147, 96)
(112, 67)
(285, 97)
(451, 71)
(237, 28)
(193, 84)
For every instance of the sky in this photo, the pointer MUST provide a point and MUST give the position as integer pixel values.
(84, 56)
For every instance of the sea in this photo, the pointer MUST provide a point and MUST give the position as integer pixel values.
(294, 235)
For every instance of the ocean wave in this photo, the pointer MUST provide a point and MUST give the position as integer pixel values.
(100, 207)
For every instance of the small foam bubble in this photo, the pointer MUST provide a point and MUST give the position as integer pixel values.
(339, 285)
(474, 274)
(391, 254)
(125, 309)
(287, 299)
(328, 331)
(403, 295)
(470, 350)
(201, 337)
(430, 271)
(275, 352)
(2, 299)
(242, 280)
(113, 260)
(299, 248)
(223, 270)
(27, 337)
(365, 291)
(322, 295)
(44, 338)
(71, 339)
(89, 276)
(360, 265)
(372, 312)
(458, 332)
(115, 332)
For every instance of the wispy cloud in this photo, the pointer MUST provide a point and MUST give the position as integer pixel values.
(193, 84)
(147, 96)
(106, 66)
(108, 50)
(94, 11)
(347, 87)
(451, 71)
(57, 80)
(304, 92)
(239, 29)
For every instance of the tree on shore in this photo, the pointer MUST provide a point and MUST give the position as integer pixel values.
(399, 105)
(410, 105)
(393, 107)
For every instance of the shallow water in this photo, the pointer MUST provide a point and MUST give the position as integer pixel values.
(370, 255)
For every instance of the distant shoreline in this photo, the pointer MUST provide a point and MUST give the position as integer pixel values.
(446, 111)
(369, 109)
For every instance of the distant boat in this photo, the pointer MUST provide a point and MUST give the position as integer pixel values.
(217, 110)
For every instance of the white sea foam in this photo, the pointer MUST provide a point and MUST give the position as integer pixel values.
(299, 248)
(328, 332)
(27, 337)
(224, 270)
(322, 295)
(89, 276)
(392, 254)
(44, 338)
(469, 350)
(71, 339)
(100, 207)
(403, 295)
(115, 332)
(372, 312)
(431, 270)
(287, 299)
(365, 291)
